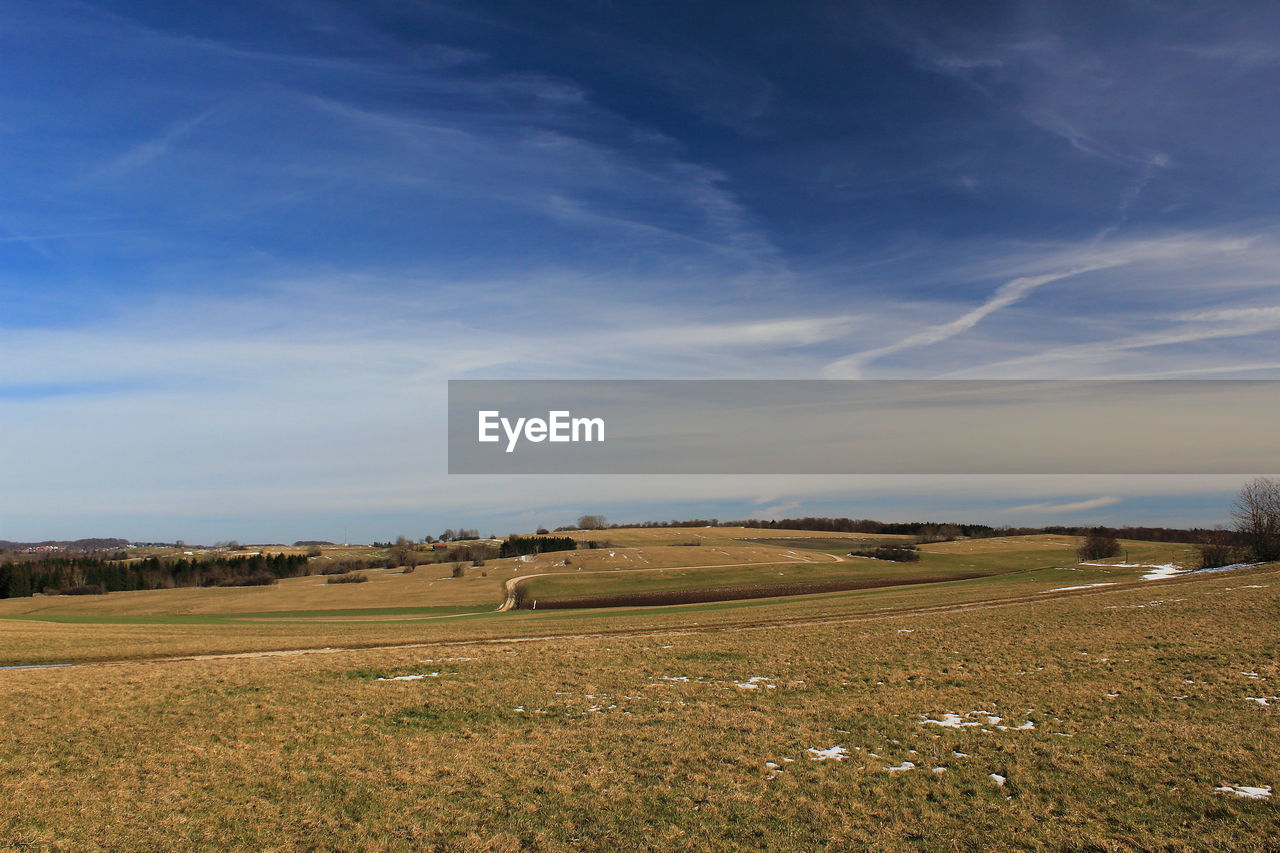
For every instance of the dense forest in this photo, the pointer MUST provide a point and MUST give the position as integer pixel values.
(98, 574)
(514, 546)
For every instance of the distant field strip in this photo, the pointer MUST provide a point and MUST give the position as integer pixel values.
(725, 583)
(516, 588)
(733, 593)
(834, 543)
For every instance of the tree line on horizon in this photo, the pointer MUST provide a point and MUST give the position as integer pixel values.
(939, 531)
(86, 575)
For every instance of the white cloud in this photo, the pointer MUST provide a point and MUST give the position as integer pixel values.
(1071, 506)
(1009, 293)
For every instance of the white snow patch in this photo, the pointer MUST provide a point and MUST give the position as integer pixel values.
(1082, 586)
(1232, 568)
(411, 677)
(906, 765)
(837, 753)
(955, 721)
(1158, 570)
(997, 778)
(1169, 570)
(755, 682)
(1262, 700)
(1246, 791)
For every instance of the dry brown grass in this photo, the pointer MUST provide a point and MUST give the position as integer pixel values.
(608, 752)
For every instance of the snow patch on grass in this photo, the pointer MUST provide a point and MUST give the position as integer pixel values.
(1082, 586)
(834, 753)
(1246, 791)
(1232, 568)
(956, 721)
(1025, 727)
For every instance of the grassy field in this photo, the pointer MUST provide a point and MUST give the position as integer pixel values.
(1121, 711)
(939, 560)
(429, 606)
(605, 584)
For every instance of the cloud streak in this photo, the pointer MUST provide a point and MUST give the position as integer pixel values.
(1066, 508)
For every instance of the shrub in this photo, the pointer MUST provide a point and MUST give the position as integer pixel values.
(896, 553)
(459, 570)
(85, 589)
(1098, 546)
(342, 567)
(1216, 554)
(408, 570)
(349, 577)
(314, 552)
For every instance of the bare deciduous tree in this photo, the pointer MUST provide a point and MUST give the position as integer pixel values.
(1257, 515)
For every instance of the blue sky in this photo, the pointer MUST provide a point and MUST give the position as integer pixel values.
(244, 245)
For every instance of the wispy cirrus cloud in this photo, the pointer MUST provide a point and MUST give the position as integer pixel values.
(143, 153)
(1065, 508)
